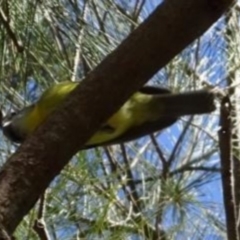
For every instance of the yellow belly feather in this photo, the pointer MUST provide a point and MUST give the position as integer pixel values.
(134, 112)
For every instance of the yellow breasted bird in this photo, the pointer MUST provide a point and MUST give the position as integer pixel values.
(148, 110)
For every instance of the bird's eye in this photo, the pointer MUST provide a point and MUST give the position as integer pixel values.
(12, 114)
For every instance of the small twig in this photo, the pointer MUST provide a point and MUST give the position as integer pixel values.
(179, 141)
(158, 149)
(136, 12)
(130, 183)
(160, 234)
(115, 166)
(101, 22)
(199, 168)
(4, 20)
(39, 225)
(40, 228)
(139, 8)
(3, 234)
(180, 170)
(79, 43)
(86, 66)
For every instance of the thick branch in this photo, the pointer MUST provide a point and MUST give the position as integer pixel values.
(225, 155)
(168, 30)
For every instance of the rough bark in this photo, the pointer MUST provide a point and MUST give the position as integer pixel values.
(167, 31)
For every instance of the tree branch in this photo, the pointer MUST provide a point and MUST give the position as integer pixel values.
(225, 157)
(167, 31)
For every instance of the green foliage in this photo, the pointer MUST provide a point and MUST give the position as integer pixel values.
(159, 185)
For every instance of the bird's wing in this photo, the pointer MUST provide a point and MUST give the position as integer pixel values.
(143, 129)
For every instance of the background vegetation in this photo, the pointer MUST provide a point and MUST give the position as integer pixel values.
(165, 185)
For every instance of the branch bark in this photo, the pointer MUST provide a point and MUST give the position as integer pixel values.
(225, 157)
(168, 30)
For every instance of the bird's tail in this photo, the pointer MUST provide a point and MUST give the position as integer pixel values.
(163, 110)
(188, 103)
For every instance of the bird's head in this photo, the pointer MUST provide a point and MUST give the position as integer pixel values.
(14, 125)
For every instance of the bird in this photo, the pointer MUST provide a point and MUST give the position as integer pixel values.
(148, 110)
